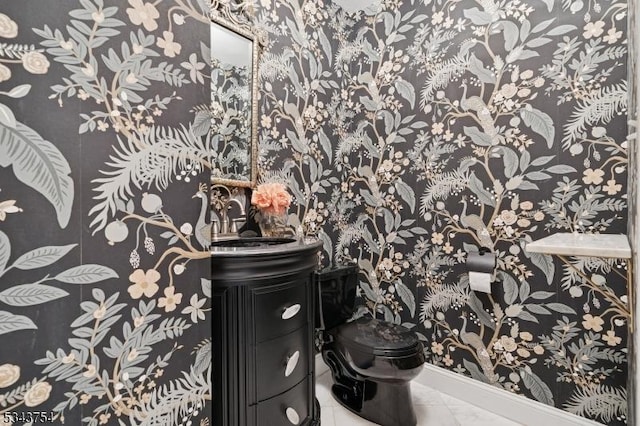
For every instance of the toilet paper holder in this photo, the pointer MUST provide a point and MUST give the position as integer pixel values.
(481, 266)
(484, 260)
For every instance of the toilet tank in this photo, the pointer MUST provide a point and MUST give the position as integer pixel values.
(337, 293)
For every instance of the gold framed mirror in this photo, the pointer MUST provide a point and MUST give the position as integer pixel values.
(234, 104)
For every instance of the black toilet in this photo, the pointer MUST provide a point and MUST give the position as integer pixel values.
(372, 362)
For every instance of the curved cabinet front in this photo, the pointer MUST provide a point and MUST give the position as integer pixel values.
(263, 323)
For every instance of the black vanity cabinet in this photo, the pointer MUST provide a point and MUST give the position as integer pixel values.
(263, 324)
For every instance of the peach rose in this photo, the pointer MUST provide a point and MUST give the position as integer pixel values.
(37, 394)
(260, 200)
(9, 374)
(271, 198)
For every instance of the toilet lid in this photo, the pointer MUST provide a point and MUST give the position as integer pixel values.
(378, 337)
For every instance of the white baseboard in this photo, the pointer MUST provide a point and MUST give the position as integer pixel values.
(498, 401)
(514, 407)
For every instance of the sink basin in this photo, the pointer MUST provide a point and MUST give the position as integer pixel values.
(261, 258)
(252, 242)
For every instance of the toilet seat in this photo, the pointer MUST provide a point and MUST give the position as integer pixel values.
(372, 362)
(378, 338)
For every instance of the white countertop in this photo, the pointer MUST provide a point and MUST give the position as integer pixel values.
(590, 245)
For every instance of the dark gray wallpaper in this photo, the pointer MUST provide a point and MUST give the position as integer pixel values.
(414, 132)
(409, 134)
(104, 273)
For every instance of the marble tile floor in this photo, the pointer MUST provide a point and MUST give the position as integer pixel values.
(432, 409)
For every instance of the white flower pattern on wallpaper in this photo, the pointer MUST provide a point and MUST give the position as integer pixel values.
(120, 342)
(413, 132)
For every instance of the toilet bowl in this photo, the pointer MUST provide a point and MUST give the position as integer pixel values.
(372, 362)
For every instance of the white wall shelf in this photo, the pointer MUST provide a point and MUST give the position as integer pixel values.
(615, 246)
(590, 245)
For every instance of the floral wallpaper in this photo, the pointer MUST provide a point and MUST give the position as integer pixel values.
(413, 132)
(231, 120)
(634, 193)
(104, 278)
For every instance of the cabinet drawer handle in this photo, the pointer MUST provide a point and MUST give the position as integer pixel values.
(292, 362)
(293, 416)
(291, 311)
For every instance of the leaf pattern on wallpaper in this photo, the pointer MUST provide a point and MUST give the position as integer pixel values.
(32, 60)
(133, 71)
(574, 208)
(146, 157)
(538, 388)
(165, 152)
(10, 322)
(41, 257)
(576, 280)
(146, 154)
(40, 165)
(6, 116)
(441, 299)
(86, 274)
(124, 71)
(601, 107)
(168, 405)
(39, 292)
(203, 356)
(133, 393)
(15, 395)
(30, 294)
(501, 125)
(5, 250)
(441, 76)
(603, 401)
(539, 122)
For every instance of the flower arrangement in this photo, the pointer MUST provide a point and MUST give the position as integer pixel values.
(271, 199)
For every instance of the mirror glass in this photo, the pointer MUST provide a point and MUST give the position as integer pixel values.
(233, 105)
